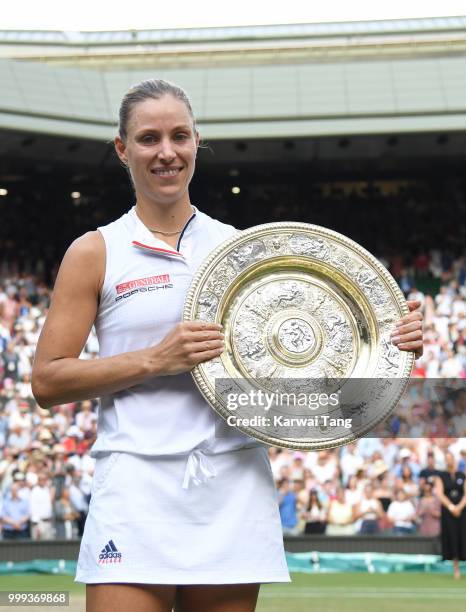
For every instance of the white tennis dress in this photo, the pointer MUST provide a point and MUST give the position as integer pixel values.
(178, 497)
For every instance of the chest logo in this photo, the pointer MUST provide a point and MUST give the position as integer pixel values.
(142, 285)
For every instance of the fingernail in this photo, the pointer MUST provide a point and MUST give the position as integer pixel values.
(395, 340)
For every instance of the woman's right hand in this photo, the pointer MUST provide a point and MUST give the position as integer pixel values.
(188, 344)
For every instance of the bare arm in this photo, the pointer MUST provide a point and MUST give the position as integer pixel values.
(439, 491)
(462, 502)
(59, 375)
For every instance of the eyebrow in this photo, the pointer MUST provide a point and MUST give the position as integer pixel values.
(181, 126)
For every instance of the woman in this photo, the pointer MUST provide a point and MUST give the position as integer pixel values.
(183, 507)
(340, 517)
(314, 515)
(450, 489)
(66, 516)
(402, 514)
(428, 511)
(370, 511)
(407, 483)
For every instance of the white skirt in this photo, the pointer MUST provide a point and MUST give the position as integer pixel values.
(197, 519)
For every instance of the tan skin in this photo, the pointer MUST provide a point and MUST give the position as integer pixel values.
(160, 133)
(455, 509)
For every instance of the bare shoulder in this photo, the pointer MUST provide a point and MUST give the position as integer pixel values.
(85, 258)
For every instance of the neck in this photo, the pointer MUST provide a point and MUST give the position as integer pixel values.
(166, 218)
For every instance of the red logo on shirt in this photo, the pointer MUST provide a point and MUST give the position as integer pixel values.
(142, 282)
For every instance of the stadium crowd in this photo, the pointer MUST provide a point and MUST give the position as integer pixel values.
(378, 484)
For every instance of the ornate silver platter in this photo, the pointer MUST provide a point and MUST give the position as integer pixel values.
(307, 316)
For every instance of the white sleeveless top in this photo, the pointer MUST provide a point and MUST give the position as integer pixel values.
(142, 299)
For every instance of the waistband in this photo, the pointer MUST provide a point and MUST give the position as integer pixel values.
(200, 469)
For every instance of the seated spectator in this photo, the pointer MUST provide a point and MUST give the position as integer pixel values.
(15, 515)
(402, 514)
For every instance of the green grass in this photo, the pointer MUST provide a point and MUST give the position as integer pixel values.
(316, 593)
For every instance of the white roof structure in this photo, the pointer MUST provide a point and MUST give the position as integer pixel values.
(245, 82)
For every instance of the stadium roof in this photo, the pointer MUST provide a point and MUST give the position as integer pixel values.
(275, 93)
(238, 44)
(253, 32)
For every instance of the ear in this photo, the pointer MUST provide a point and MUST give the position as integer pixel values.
(120, 149)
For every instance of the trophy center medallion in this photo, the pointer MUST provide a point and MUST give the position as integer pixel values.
(296, 335)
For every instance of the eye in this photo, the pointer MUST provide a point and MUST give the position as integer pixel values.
(181, 136)
(148, 139)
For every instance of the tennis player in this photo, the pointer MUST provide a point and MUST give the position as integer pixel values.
(183, 511)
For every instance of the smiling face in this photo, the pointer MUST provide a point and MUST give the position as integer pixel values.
(160, 150)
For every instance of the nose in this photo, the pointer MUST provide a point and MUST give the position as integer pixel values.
(166, 151)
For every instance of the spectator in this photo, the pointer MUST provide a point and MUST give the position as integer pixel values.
(428, 511)
(15, 515)
(402, 514)
(41, 510)
(370, 511)
(314, 515)
(66, 516)
(406, 482)
(287, 503)
(428, 474)
(79, 501)
(340, 516)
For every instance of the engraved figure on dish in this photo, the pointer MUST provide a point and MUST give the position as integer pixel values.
(296, 335)
(338, 332)
(246, 254)
(287, 294)
(306, 246)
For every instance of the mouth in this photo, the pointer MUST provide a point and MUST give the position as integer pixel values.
(166, 172)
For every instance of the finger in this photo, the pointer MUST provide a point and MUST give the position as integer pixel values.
(210, 345)
(415, 335)
(413, 304)
(207, 355)
(199, 336)
(413, 316)
(410, 346)
(203, 326)
(405, 329)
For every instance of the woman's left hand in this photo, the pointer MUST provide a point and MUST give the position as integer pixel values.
(407, 335)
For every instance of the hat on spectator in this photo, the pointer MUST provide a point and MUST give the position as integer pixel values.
(405, 453)
(48, 422)
(379, 467)
(19, 476)
(58, 448)
(74, 431)
(44, 434)
(46, 449)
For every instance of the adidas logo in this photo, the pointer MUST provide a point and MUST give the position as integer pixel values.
(110, 554)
